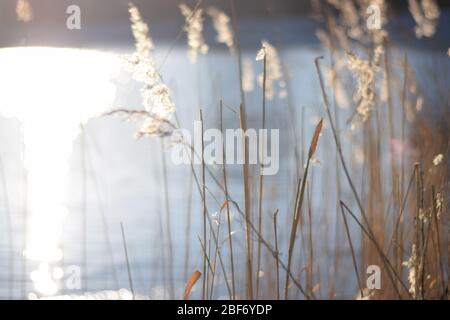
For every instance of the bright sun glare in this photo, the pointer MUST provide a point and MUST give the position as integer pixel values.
(52, 91)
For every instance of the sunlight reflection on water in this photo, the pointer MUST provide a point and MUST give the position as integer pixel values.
(52, 91)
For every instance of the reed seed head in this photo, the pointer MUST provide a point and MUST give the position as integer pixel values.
(274, 72)
(222, 26)
(426, 15)
(24, 11)
(364, 70)
(144, 44)
(438, 159)
(155, 94)
(194, 29)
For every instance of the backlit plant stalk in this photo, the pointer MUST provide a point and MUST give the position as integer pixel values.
(299, 202)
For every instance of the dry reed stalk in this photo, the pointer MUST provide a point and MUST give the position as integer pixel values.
(203, 195)
(162, 256)
(243, 125)
(84, 257)
(394, 170)
(271, 251)
(261, 176)
(25, 229)
(403, 121)
(438, 236)
(203, 192)
(299, 201)
(188, 225)
(221, 263)
(388, 266)
(333, 52)
(355, 264)
(237, 42)
(424, 268)
(211, 268)
(417, 251)
(130, 279)
(206, 257)
(242, 214)
(391, 273)
(249, 244)
(9, 230)
(215, 253)
(419, 233)
(225, 185)
(277, 252)
(375, 201)
(395, 232)
(168, 220)
(311, 245)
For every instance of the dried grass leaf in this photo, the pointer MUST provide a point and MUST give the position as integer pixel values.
(191, 282)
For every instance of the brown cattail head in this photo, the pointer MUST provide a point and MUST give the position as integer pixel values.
(315, 139)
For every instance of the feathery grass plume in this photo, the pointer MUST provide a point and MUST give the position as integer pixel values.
(24, 11)
(358, 154)
(413, 98)
(419, 103)
(353, 22)
(324, 38)
(412, 265)
(274, 74)
(438, 159)
(430, 9)
(194, 29)
(316, 9)
(144, 43)
(349, 17)
(339, 31)
(364, 70)
(223, 28)
(439, 205)
(158, 104)
(426, 15)
(367, 294)
(248, 77)
(340, 93)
